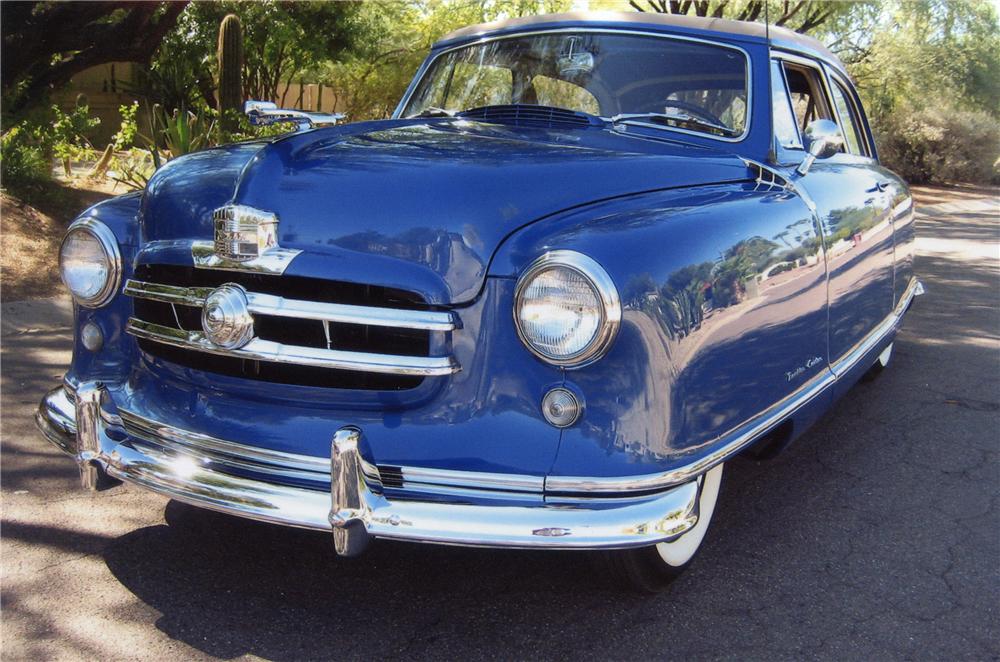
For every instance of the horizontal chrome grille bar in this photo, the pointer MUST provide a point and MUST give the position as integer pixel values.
(185, 296)
(269, 304)
(266, 350)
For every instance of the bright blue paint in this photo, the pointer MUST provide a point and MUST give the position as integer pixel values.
(456, 211)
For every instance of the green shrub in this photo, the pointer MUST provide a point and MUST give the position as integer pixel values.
(939, 145)
(23, 159)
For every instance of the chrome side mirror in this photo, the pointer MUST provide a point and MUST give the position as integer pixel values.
(822, 140)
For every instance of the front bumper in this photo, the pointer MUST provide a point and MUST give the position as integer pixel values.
(88, 427)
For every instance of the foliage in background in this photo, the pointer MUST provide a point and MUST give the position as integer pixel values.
(47, 43)
(928, 76)
(799, 15)
(926, 69)
(29, 148)
(943, 143)
(370, 78)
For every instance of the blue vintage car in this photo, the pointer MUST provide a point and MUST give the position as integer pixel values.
(591, 258)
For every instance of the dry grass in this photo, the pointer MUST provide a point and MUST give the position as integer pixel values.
(31, 226)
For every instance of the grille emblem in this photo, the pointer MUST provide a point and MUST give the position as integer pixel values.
(226, 318)
(243, 233)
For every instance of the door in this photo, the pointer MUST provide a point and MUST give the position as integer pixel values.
(853, 196)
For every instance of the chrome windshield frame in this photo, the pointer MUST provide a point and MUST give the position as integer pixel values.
(748, 62)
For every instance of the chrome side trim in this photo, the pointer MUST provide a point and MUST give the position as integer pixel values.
(274, 261)
(270, 304)
(744, 434)
(851, 357)
(267, 350)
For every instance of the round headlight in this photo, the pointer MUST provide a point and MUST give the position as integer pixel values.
(567, 309)
(90, 263)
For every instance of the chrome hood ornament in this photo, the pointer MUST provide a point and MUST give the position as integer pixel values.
(246, 239)
(243, 233)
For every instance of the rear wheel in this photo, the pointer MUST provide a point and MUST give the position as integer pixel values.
(652, 569)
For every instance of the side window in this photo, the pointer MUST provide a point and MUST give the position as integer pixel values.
(849, 123)
(806, 90)
(784, 120)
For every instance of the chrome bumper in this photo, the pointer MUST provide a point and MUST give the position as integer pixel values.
(91, 431)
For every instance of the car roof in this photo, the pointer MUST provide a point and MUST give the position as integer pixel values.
(717, 28)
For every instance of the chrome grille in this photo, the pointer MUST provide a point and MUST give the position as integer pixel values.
(344, 345)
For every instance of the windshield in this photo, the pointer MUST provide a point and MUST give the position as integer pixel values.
(603, 74)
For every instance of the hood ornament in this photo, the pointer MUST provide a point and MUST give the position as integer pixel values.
(246, 239)
(243, 233)
(266, 113)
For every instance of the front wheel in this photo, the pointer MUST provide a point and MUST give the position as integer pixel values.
(652, 569)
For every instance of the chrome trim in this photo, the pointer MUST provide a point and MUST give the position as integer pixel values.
(270, 304)
(225, 318)
(851, 357)
(185, 296)
(265, 113)
(605, 288)
(472, 479)
(742, 435)
(56, 419)
(355, 514)
(278, 463)
(109, 244)
(266, 350)
(273, 262)
(425, 67)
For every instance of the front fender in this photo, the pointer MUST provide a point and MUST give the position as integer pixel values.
(724, 314)
(121, 215)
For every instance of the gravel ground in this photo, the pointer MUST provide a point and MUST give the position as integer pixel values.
(876, 536)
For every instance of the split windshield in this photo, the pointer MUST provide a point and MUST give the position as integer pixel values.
(603, 74)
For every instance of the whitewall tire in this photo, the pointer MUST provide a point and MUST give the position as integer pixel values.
(652, 569)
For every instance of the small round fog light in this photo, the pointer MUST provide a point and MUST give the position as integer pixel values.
(560, 407)
(91, 337)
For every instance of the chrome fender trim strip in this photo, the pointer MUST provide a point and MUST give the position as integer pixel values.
(746, 433)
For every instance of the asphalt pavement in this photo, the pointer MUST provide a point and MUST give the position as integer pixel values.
(876, 536)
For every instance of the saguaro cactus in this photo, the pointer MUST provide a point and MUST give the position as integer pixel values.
(230, 68)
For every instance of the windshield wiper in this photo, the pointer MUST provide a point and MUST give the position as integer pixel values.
(674, 119)
(433, 111)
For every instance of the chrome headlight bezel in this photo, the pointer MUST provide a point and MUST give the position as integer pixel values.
(603, 287)
(112, 255)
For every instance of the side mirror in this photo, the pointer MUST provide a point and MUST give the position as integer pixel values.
(822, 140)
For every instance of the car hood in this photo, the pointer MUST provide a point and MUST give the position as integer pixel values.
(417, 205)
